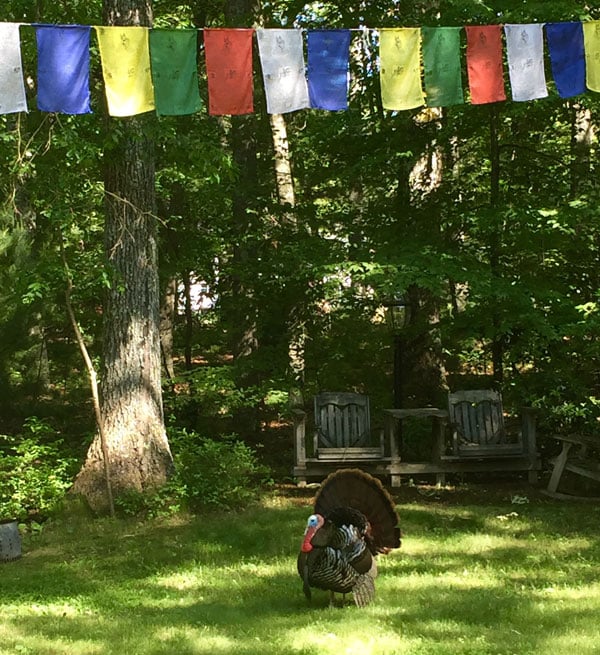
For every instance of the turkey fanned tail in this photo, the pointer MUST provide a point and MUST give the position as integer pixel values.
(364, 587)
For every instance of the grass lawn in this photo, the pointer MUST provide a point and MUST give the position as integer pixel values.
(475, 575)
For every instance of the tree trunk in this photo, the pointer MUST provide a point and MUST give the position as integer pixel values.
(130, 389)
(168, 309)
(283, 167)
(189, 319)
(286, 194)
(421, 376)
(582, 137)
(238, 296)
(495, 245)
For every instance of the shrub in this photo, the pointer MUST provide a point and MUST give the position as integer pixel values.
(209, 474)
(34, 475)
(222, 474)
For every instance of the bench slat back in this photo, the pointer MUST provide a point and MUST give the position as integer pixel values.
(477, 420)
(342, 419)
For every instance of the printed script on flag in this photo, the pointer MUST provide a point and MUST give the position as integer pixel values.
(12, 87)
(484, 64)
(399, 52)
(441, 63)
(175, 71)
(525, 55)
(282, 62)
(125, 57)
(228, 54)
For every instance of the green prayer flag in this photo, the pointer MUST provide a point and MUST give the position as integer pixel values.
(175, 71)
(441, 63)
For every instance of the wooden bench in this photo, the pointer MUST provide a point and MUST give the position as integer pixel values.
(580, 454)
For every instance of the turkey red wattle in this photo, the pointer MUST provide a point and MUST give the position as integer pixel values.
(315, 521)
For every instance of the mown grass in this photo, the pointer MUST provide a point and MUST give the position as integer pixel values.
(470, 579)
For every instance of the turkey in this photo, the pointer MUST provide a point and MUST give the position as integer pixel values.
(354, 519)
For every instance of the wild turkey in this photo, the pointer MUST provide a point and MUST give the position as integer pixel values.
(354, 519)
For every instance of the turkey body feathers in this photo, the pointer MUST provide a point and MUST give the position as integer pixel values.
(354, 520)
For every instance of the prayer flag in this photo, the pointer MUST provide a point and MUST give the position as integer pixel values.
(282, 63)
(228, 54)
(12, 87)
(328, 68)
(441, 63)
(525, 55)
(399, 52)
(567, 57)
(484, 64)
(125, 58)
(175, 71)
(591, 43)
(63, 68)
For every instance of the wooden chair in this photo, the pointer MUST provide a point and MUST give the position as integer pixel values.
(341, 436)
(480, 441)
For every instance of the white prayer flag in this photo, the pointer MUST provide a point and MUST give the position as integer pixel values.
(525, 55)
(12, 87)
(282, 62)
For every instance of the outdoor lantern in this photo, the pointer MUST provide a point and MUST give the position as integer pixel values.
(398, 313)
(398, 317)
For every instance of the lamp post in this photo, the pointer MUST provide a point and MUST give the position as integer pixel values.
(398, 316)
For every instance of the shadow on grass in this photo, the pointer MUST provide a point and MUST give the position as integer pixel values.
(471, 580)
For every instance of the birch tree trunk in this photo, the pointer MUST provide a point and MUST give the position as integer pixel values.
(130, 385)
(286, 195)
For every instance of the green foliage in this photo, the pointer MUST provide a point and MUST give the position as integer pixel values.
(216, 474)
(367, 222)
(165, 501)
(34, 472)
(210, 474)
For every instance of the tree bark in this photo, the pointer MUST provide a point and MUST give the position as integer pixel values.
(421, 379)
(189, 319)
(582, 137)
(286, 194)
(495, 245)
(283, 168)
(239, 297)
(130, 385)
(168, 309)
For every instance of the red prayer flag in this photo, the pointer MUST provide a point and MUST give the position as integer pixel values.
(228, 54)
(484, 64)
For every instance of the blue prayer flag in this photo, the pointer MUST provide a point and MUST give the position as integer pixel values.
(63, 68)
(567, 57)
(328, 68)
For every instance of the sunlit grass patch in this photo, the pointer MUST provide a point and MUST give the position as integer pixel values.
(471, 580)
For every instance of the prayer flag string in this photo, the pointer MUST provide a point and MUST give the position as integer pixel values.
(148, 69)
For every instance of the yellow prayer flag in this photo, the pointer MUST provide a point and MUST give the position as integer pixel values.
(591, 43)
(399, 53)
(125, 57)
